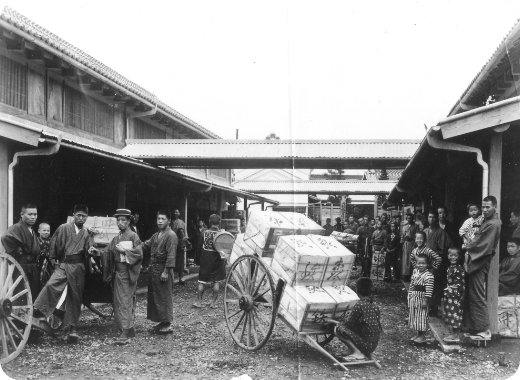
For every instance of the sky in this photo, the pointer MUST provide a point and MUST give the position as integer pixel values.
(300, 69)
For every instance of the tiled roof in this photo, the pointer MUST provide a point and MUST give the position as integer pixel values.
(316, 187)
(266, 149)
(23, 23)
(499, 51)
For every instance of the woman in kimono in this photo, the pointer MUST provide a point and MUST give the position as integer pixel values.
(409, 231)
(212, 267)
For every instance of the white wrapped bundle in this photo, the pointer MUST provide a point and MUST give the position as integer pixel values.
(105, 229)
(345, 299)
(263, 230)
(305, 308)
(509, 316)
(344, 237)
(340, 260)
(302, 224)
(299, 261)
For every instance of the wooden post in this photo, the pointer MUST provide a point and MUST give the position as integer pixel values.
(375, 206)
(321, 212)
(4, 186)
(245, 210)
(495, 189)
(220, 200)
(186, 195)
(121, 193)
(262, 205)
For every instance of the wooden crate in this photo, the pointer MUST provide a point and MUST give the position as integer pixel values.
(345, 299)
(341, 260)
(305, 308)
(301, 261)
(230, 225)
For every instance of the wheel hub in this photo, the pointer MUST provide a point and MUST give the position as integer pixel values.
(246, 303)
(6, 307)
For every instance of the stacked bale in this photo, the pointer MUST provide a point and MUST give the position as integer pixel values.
(315, 268)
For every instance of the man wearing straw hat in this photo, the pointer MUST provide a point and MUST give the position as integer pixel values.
(121, 264)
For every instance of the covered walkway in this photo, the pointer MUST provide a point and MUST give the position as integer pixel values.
(278, 154)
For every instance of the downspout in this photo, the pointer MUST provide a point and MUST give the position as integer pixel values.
(153, 111)
(34, 152)
(436, 143)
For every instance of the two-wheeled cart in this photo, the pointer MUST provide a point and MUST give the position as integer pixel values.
(16, 304)
(251, 299)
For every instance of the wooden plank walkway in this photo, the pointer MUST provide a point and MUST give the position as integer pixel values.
(440, 331)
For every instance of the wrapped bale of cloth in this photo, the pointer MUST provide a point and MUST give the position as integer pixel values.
(345, 299)
(299, 261)
(265, 227)
(306, 308)
(344, 237)
(341, 260)
(230, 225)
(509, 316)
(104, 229)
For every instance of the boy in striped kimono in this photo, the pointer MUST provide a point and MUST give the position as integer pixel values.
(419, 295)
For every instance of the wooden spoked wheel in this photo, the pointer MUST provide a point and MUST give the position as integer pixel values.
(16, 309)
(249, 302)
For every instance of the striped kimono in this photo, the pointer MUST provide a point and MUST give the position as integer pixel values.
(421, 287)
(434, 260)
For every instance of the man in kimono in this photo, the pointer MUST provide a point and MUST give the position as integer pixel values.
(509, 270)
(177, 222)
(515, 222)
(480, 251)
(328, 227)
(447, 225)
(69, 248)
(162, 247)
(438, 241)
(121, 265)
(21, 242)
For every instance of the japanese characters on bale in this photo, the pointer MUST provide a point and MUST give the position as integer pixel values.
(509, 316)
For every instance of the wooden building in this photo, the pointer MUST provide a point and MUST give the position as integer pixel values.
(474, 152)
(65, 117)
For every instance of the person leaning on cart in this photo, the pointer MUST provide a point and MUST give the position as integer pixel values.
(69, 247)
(162, 247)
(121, 265)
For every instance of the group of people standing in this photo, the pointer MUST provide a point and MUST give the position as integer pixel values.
(442, 262)
(72, 244)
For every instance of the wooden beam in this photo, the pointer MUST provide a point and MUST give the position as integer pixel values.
(96, 85)
(51, 62)
(502, 112)
(4, 166)
(495, 189)
(108, 91)
(156, 116)
(69, 72)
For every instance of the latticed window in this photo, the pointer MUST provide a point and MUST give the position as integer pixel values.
(144, 130)
(88, 114)
(13, 83)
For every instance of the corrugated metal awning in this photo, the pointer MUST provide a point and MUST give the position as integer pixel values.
(258, 154)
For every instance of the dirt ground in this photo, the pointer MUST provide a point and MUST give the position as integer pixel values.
(201, 348)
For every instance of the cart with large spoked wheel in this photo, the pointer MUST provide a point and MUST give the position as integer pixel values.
(251, 300)
(16, 303)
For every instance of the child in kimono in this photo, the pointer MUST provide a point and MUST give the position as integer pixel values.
(44, 232)
(434, 260)
(419, 295)
(453, 295)
(471, 226)
(361, 331)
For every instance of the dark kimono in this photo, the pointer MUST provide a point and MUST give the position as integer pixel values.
(480, 250)
(362, 327)
(509, 278)
(393, 243)
(25, 249)
(453, 296)
(123, 270)
(45, 248)
(212, 267)
(409, 232)
(160, 294)
(439, 242)
(70, 249)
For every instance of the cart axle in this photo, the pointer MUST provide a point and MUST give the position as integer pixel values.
(6, 307)
(246, 302)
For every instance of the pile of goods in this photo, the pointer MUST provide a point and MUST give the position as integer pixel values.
(315, 268)
(509, 316)
(343, 237)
